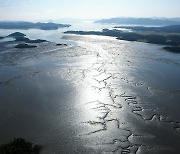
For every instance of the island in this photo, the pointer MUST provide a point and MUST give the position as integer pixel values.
(24, 45)
(61, 44)
(166, 35)
(23, 41)
(16, 35)
(21, 37)
(31, 25)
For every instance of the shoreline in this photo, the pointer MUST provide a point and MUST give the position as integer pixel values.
(171, 42)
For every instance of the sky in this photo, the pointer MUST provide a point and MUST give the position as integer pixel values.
(31, 10)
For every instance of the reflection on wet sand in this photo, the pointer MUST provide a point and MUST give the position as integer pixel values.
(118, 115)
(99, 96)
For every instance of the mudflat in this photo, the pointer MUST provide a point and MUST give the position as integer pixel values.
(98, 95)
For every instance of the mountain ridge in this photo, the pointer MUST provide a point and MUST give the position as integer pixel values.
(140, 21)
(31, 25)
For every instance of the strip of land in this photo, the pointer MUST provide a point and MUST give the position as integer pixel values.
(168, 35)
(30, 25)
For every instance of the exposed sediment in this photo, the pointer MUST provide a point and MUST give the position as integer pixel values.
(119, 112)
(122, 102)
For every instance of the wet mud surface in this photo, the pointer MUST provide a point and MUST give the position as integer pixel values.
(98, 95)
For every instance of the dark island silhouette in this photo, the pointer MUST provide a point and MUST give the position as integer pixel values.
(168, 35)
(30, 25)
(165, 29)
(24, 45)
(23, 41)
(16, 35)
(61, 44)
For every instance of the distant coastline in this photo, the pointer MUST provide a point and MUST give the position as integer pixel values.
(141, 21)
(31, 25)
(168, 35)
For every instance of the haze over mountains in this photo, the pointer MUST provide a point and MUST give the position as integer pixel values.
(155, 21)
(30, 25)
(140, 21)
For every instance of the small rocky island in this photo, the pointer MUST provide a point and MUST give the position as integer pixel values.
(24, 45)
(21, 37)
(23, 41)
(16, 35)
(61, 44)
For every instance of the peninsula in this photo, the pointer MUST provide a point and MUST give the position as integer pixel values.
(31, 25)
(167, 35)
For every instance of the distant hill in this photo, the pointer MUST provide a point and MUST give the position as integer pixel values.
(141, 21)
(16, 35)
(30, 25)
(165, 29)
